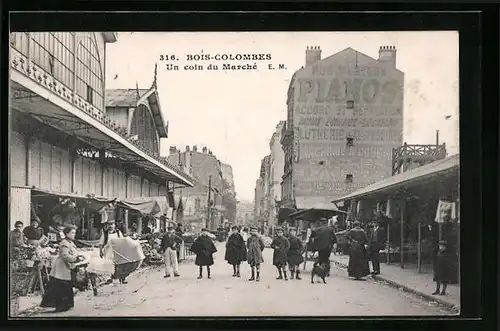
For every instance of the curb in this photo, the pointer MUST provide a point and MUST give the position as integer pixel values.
(405, 288)
(28, 311)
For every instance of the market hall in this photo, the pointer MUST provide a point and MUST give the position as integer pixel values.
(73, 161)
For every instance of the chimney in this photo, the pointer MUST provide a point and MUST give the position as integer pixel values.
(204, 150)
(173, 150)
(195, 148)
(437, 137)
(209, 152)
(187, 148)
(313, 54)
(387, 54)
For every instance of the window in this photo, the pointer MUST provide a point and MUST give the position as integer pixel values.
(89, 94)
(197, 204)
(348, 178)
(89, 73)
(51, 63)
(349, 142)
(53, 51)
(350, 104)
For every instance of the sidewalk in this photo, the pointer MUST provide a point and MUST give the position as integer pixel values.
(411, 281)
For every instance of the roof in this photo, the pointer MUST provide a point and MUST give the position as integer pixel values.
(345, 50)
(123, 97)
(128, 98)
(427, 171)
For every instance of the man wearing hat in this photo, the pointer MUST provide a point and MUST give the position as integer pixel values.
(169, 245)
(323, 240)
(377, 243)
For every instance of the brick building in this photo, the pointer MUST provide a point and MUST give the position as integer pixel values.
(345, 114)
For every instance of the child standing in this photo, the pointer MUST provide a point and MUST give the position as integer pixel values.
(443, 268)
(235, 251)
(294, 255)
(255, 246)
(281, 245)
(204, 249)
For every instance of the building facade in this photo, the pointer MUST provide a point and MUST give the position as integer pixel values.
(344, 117)
(229, 201)
(276, 171)
(62, 138)
(204, 167)
(245, 213)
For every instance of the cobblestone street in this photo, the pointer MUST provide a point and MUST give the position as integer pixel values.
(149, 294)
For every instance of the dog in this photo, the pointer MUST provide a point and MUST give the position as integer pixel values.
(320, 270)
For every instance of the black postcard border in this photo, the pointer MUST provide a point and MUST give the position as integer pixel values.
(478, 126)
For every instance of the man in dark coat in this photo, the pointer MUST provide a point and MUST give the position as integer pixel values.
(377, 243)
(235, 251)
(281, 246)
(324, 239)
(204, 249)
(294, 255)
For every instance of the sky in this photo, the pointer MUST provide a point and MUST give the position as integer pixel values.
(235, 113)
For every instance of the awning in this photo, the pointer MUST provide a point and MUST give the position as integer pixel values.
(92, 202)
(284, 212)
(146, 206)
(76, 117)
(445, 166)
(317, 202)
(314, 214)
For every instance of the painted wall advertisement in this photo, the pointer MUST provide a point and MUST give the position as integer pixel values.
(347, 120)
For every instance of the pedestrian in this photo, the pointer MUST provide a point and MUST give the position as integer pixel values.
(443, 267)
(169, 245)
(33, 232)
(281, 245)
(255, 246)
(106, 250)
(358, 263)
(17, 238)
(59, 293)
(204, 249)
(294, 255)
(377, 243)
(179, 232)
(235, 251)
(324, 241)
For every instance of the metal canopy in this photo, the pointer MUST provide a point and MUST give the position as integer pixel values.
(94, 134)
(315, 214)
(404, 180)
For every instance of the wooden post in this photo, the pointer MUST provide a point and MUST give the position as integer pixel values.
(388, 245)
(28, 141)
(419, 247)
(139, 225)
(125, 220)
(208, 201)
(401, 252)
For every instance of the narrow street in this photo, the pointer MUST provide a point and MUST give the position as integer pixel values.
(149, 294)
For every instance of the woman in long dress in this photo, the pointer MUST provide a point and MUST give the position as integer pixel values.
(358, 259)
(59, 293)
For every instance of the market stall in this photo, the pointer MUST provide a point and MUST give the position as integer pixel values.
(407, 205)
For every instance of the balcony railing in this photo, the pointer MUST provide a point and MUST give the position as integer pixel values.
(20, 63)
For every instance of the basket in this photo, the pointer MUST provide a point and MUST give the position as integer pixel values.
(14, 306)
(19, 283)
